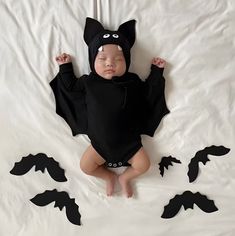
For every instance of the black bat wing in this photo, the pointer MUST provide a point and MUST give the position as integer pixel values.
(45, 198)
(204, 203)
(202, 156)
(174, 205)
(72, 212)
(217, 150)
(55, 171)
(166, 162)
(161, 168)
(193, 169)
(61, 200)
(154, 106)
(70, 105)
(172, 208)
(163, 164)
(24, 165)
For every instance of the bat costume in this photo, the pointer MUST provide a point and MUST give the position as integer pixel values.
(113, 113)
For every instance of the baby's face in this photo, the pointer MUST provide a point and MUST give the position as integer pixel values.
(110, 62)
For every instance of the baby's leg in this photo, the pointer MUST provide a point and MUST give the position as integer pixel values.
(139, 164)
(92, 164)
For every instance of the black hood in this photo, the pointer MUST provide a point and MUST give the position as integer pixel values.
(96, 36)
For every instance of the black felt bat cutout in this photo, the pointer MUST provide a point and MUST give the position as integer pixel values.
(61, 200)
(187, 200)
(201, 156)
(165, 162)
(41, 162)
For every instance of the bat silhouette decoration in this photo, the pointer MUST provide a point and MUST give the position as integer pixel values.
(61, 200)
(187, 200)
(201, 156)
(165, 162)
(41, 162)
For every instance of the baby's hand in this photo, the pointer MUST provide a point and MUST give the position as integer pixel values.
(63, 58)
(159, 62)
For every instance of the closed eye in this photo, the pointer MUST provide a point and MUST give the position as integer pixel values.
(119, 59)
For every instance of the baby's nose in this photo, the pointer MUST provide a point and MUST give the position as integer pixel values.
(110, 63)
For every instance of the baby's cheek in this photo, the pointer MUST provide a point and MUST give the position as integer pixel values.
(98, 68)
(123, 67)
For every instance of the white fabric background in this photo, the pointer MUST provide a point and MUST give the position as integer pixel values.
(196, 38)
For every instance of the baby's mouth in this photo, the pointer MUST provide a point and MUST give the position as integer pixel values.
(109, 71)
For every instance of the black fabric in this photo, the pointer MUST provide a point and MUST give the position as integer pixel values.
(62, 200)
(41, 162)
(113, 113)
(70, 99)
(202, 156)
(166, 162)
(187, 199)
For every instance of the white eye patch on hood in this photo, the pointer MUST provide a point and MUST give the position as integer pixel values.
(105, 36)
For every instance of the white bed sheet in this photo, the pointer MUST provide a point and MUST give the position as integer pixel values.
(196, 38)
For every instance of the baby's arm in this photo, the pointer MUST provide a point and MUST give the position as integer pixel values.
(156, 74)
(154, 104)
(69, 95)
(63, 59)
(66, 72)
(159, 62)
(155, 83)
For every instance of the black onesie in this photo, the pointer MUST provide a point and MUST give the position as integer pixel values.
(113, 113)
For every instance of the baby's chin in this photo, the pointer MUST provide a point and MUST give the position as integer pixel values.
(109, 76)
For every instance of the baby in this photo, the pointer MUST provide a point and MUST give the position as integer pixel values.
(111, 105)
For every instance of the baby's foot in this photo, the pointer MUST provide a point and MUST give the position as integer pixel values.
(126, 187)
(110, 183)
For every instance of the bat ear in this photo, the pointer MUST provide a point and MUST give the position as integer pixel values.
(92, 28)
(128, 30)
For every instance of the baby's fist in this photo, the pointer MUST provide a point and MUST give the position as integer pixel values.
(63, 58)
(159, 62)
